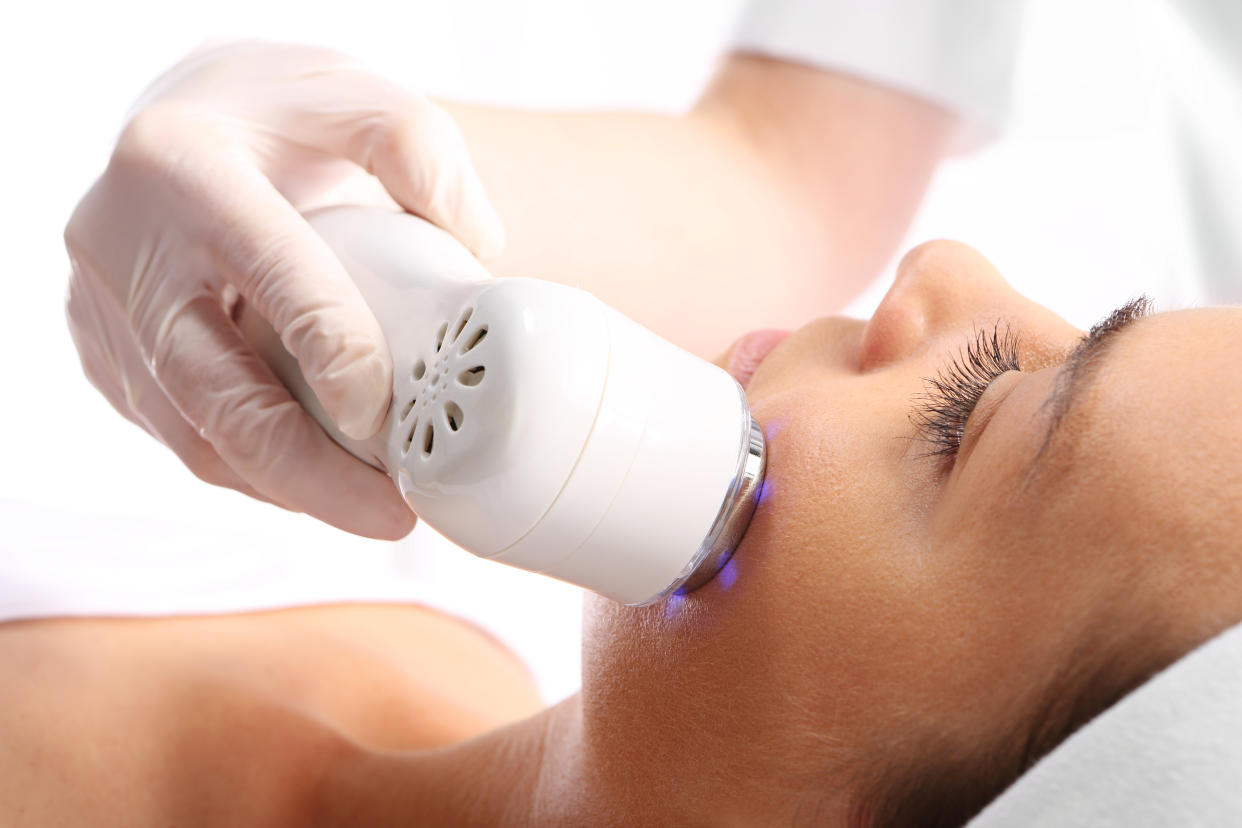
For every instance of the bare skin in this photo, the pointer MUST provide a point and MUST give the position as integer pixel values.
(225, 720)
(886, 607)
(780, 174)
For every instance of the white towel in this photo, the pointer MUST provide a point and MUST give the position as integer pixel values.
(1169, 754)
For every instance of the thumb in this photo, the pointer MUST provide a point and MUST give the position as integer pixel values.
(409, 143)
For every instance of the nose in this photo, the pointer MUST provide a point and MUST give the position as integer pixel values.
(941, 287)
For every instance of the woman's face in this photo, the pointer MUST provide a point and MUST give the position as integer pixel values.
(899, 599)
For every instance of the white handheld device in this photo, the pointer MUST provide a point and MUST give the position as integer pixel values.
(534, 425)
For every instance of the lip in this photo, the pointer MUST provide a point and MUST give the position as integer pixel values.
(749, 352)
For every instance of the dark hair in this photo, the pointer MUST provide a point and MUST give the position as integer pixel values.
(943, 784)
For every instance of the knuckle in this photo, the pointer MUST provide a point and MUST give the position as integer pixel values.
(206, 465)
(151, 130)
(240, 442)
(95, 377)
(335, 357)
(267, 266)
(422, 144)
(251, 432)
(404, 124)
(195, 453)
(401, 126)
(380, 139)
(422, 124)
(74, 237)
(173, 143)
(84, 230)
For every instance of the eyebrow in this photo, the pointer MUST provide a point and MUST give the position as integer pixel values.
(1082, 365)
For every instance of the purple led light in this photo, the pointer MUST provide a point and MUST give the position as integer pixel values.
(773, 428)
(765, 491)
(672, 606)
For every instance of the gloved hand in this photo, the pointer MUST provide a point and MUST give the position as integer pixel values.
(198, 211)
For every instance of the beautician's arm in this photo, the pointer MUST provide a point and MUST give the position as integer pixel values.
(778, 197)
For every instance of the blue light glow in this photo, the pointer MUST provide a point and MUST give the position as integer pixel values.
(772, 428)
(765, 491)
(672, 606)
(727, 575)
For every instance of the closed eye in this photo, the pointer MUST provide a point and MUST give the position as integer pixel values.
(941, 411)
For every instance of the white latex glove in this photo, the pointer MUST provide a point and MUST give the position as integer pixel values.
(200, 205)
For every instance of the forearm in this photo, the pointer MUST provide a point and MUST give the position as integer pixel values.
(775, 199)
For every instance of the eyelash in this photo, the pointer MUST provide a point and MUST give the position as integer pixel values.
(941, 412)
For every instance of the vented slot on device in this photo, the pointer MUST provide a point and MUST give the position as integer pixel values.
(409, 437)
(471, 376)
(453, 413)
(405, 412)
(420, 368)
(429, 438)
(440, 334)
(461, 325)
(475, 340)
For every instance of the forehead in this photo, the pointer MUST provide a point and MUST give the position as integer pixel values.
(1159, 423)
(1172, 372)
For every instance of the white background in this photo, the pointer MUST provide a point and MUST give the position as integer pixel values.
(1072, 204)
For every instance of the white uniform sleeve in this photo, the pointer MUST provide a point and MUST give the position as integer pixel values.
(958, 54)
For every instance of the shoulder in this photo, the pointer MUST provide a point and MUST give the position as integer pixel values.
(100, 729)
(228, 720)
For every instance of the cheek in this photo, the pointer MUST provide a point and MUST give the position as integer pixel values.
(844, 534)
(819, 597)
(827, 488)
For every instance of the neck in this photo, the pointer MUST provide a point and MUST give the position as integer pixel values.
(523, 774)
(555, 769)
